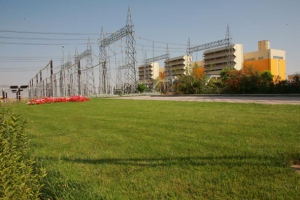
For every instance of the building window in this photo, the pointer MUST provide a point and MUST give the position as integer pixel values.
(249, 59)
(278, 57)
(260, 58)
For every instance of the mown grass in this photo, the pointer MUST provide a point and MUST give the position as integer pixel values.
(127, 149)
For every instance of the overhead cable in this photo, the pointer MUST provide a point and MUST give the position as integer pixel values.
(47, 33)
(26, 38)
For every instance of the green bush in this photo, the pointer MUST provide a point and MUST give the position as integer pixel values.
(188, 84)
(19, 177)
(141, 87)
(213, 86)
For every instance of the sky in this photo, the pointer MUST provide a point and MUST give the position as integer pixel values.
(32, 32)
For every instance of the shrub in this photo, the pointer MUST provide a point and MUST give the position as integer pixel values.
(188, 84)
(19, 177)
(249, 81)
(212, 86)
(241, 81)
(224, 73)
(141, 87)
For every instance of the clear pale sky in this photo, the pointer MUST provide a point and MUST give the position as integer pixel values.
(31, 31)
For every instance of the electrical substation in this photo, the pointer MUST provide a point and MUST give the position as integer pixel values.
(115, 69)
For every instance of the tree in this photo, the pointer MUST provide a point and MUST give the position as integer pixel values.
(242, 81)
(266, 82)
(225, 73)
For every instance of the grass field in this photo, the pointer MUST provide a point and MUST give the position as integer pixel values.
(127, 149)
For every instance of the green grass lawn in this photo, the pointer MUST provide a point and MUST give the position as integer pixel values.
(129, 149)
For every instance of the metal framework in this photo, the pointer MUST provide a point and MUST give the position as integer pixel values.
(103, 65)
(75, 82)
(67, 77)
(61, 79)
(119, 82)
(145, 67)
(123, 67)
(89, 80)
(76, 75)
(188, 50)
(41, 84)
(68, 81)
(157, 58)
(78, 78)
(224, 42)
(130, 60)
(210, 45)
(84, 54)
(229, 48)
(168, 72)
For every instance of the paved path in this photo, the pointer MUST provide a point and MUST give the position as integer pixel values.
(226, 98)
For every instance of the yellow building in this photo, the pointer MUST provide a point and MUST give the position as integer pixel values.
(265, 58)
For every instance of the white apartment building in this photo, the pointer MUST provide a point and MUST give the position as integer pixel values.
(148, 73)
(216, 59)
(178, 66)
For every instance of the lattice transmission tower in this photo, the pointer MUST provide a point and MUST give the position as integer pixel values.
(89, 71)
(68, 76)
(103, 79)
(189, 56)
(131, 52)
(168, 72)
(188, 49)
(119, 82)
(145, 66)
(130, 60)
(229, 48)
(76, 75)
(61, 79)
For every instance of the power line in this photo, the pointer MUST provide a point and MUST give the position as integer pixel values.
(18, 70)
(47, 44)
(159, 41)
(159, 47)
(9, 69)
(47, 33)
(28, 60)
(24, 38)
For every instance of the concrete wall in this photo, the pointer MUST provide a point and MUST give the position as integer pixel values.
(239, 59)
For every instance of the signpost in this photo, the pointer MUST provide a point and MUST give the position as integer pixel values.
(18, 89)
